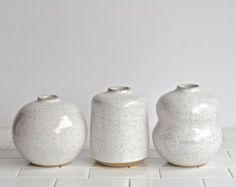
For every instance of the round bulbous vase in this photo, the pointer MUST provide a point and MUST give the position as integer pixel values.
(119, 127)
(187, 133)
(49, 131)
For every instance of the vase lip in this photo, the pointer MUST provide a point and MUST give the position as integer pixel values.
(188, 87)
(118, 89)
(48, 98)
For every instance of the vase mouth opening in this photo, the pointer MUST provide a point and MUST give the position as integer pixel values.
(118, 89)
(48, 98)
(189, 86)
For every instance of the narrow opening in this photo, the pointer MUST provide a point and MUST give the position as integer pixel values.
(187, 86)
(50, 98)
(118, 88)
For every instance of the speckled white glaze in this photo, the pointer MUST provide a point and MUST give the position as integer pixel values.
(187, 133)
(119, 127)
(49, 131)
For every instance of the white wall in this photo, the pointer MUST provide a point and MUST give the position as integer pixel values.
(77, 48)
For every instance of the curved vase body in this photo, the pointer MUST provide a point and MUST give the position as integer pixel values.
(49, 131)
(119, 127)
(187, 133)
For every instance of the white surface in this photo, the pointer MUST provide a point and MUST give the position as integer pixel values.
(78, 48)
(202, 172)
(123, 173)
(220, 182)
(166, 182)
(54, 172)
(92, 182)
(25, 182)
(232, 153)
(84, 172)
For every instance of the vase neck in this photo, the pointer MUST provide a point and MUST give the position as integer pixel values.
(48, 98)
(188, 87)
(119, 89)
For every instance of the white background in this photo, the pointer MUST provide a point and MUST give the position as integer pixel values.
(77, 48)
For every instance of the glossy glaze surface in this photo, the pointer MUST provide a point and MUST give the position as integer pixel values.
(187, 133)
(49, 131)
(119, 127)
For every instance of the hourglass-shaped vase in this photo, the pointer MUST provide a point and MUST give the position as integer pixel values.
(187, 133)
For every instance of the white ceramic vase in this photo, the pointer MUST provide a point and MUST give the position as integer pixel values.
(187, 133)
(49, 131)
(119, 127)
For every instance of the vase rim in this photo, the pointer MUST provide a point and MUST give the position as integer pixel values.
(118, 89)
(48, 98)
(188, 86)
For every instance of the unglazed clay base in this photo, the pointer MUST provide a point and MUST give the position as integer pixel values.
(194, 166)
(50, 166)
(119, 164)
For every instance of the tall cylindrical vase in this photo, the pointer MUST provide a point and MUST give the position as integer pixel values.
(119, 127)
(187, 133)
